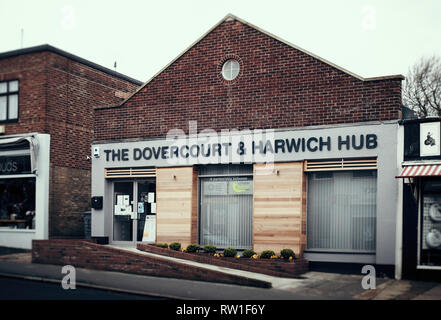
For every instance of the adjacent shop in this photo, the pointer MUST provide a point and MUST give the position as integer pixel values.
(24, 188)
(421, 177)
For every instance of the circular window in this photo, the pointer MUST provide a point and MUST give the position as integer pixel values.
(230, 69)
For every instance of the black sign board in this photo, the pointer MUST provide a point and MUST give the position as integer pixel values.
(10, 165)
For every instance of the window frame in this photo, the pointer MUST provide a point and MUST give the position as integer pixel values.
(338, 250)
(7, 94)
(229, 71)
(422, 193)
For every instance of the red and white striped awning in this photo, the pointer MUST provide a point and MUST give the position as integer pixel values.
(428, 170)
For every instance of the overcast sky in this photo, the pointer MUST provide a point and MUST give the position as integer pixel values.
(370, 38)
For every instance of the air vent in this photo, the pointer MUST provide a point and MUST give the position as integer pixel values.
(130, 173)
(341, 164)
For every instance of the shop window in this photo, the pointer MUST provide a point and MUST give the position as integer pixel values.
(341, 211)
(9, 101)
(430, 225)
(226, 207)
(17, 203)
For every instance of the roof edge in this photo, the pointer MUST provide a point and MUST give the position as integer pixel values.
(47, 47)
(229, 17)
(389, 77)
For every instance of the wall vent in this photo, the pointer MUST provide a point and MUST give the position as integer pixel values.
(130, 173)
(341, 164)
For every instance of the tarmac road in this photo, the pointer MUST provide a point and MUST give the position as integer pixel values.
(23, 289)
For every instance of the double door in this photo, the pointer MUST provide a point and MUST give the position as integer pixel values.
(134, 211)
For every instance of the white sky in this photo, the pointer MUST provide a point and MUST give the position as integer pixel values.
(367, 37)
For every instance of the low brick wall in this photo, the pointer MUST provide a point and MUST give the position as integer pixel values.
(86, 254)
(277, 268)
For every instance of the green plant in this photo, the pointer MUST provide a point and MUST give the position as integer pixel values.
(286, 253)
(162, 245)
(248, 253)
(210, 249)
(267, 254)
(230, 252)
(175, 246)
(193, 248)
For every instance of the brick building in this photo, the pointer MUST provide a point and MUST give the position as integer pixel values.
(247, 141)
(46, 118)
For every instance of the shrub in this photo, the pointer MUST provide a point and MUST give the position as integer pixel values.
(209, 248)
(175, 246)
(267, 254)
(230, 252)
(286, 253)
(193, 248)
(248, 253)
(162, 245)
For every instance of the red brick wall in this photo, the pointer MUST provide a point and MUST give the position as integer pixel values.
(276, 268)
(85, 254)
(57, 96)
(278, 86)
(74, 89)
(30, 70)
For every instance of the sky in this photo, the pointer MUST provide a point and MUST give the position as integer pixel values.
(367, 37)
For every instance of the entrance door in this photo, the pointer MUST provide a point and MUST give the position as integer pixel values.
(134, 211)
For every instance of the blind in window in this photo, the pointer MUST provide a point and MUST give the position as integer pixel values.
(341, 211)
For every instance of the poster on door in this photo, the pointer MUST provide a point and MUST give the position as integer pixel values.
(149, 234)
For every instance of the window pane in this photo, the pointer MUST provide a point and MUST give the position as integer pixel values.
(13, 86)
(430, 222)
(13, 106)
(342, 211)
(17, 203)
(3, 87)
(226, 212)
(3, 108)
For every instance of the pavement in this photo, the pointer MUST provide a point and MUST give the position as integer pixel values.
(312, 285)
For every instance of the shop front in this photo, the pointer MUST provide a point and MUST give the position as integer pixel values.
(24, 189)
(421, 178)
(327, 192)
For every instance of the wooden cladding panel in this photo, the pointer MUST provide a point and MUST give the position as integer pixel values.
(194, 209)
(176, 194)
(279, 208)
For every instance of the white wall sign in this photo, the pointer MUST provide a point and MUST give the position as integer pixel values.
(429, 139)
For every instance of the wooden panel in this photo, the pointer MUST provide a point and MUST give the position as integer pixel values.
(279, 208)
(175, 205)
(194, 209)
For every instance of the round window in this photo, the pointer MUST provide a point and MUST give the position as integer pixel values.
(230, 69)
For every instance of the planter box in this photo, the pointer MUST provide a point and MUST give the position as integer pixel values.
(273, 267)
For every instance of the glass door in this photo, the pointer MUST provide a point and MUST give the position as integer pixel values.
(146, 208)
(123, 214)
(134, 211)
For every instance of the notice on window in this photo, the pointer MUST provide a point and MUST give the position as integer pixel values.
(151, 197)
(149, 234)
(153, 207)
(240, 187)
(215, 188)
